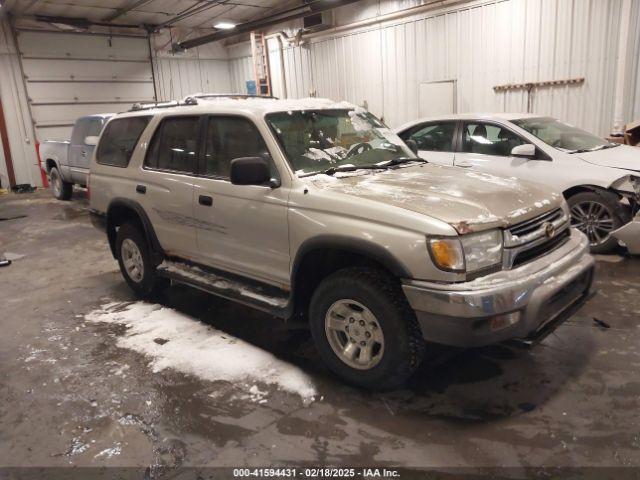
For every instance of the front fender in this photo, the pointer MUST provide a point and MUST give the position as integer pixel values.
(628, 184)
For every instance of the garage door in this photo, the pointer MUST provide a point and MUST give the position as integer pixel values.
(68, 75)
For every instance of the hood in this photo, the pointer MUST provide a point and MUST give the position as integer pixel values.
(468, 201)
(623, 157)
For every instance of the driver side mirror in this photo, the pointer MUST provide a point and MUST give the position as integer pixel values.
(526, 150)
(250, 171)
(91, 140)
(413, 145)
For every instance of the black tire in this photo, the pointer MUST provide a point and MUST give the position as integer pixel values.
(150, 282)
(381, 294)
(609, 206)
(61, 190)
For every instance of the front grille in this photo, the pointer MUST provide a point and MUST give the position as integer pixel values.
(532, 253)
(529, 240)
(530, 226)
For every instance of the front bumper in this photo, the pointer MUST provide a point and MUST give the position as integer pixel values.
(629, 234)
(541, 293)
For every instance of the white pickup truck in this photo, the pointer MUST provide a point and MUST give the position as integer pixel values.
(67, 163)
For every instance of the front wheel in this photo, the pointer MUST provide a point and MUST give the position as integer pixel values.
(597, 214)
(364, 329)
(61, 190)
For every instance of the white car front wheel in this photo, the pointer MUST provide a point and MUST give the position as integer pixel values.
(596, 214)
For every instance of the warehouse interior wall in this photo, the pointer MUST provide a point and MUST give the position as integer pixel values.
(17, 117)
(201, 69)
(477, 45)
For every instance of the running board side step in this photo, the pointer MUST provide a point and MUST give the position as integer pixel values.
(251, 293)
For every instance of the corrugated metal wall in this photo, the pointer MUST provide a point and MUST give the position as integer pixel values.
(178, 77)
(478, 44)
(240, 70)
(16, 112)
(201, 69)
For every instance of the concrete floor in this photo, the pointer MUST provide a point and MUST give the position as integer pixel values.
(64, 399)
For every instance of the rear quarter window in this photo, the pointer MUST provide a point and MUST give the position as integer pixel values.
(119, 139)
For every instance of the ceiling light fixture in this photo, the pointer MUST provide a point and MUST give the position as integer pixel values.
(224, 25)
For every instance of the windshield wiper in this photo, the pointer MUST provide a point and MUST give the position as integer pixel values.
(595, 149)
(401, 160)
(352, 168)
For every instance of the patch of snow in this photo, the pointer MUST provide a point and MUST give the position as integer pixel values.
(33, 354)
(77, 447)
(359, 123)
(109, 452)
(119, 371)
(197, 349)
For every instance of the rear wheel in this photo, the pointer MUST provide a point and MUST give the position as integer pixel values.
(364, 329)
(597, 214)
(61, 190)
(135, 261)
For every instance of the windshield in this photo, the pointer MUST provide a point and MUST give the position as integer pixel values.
(318, 140)
(562, 136)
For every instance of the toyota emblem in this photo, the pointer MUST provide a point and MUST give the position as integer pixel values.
(549, 229)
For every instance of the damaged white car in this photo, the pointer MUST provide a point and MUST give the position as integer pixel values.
(599, 179)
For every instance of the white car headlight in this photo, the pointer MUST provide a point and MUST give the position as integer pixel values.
(467, 253)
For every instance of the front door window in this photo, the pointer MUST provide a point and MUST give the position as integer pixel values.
(489, 139)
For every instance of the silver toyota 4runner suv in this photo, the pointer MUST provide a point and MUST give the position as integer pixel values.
(313, 210)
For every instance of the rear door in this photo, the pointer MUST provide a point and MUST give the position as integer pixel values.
(165, 189)
(435, 140)
(240, 228)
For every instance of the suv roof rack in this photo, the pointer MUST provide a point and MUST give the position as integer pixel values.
(149, 105)
(193, 100)
(234, 96)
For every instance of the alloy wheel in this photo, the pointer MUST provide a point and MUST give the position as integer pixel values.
(132, 260)
(593, 219)
(354, 334)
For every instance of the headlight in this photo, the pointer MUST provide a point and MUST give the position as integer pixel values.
(467, 253)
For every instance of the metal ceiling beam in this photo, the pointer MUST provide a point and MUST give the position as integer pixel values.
(81, 23)
(315, 6)
(125, 10)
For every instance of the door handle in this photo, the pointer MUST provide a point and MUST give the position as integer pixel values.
(141, 189)
(205, 200)
(84, 154)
